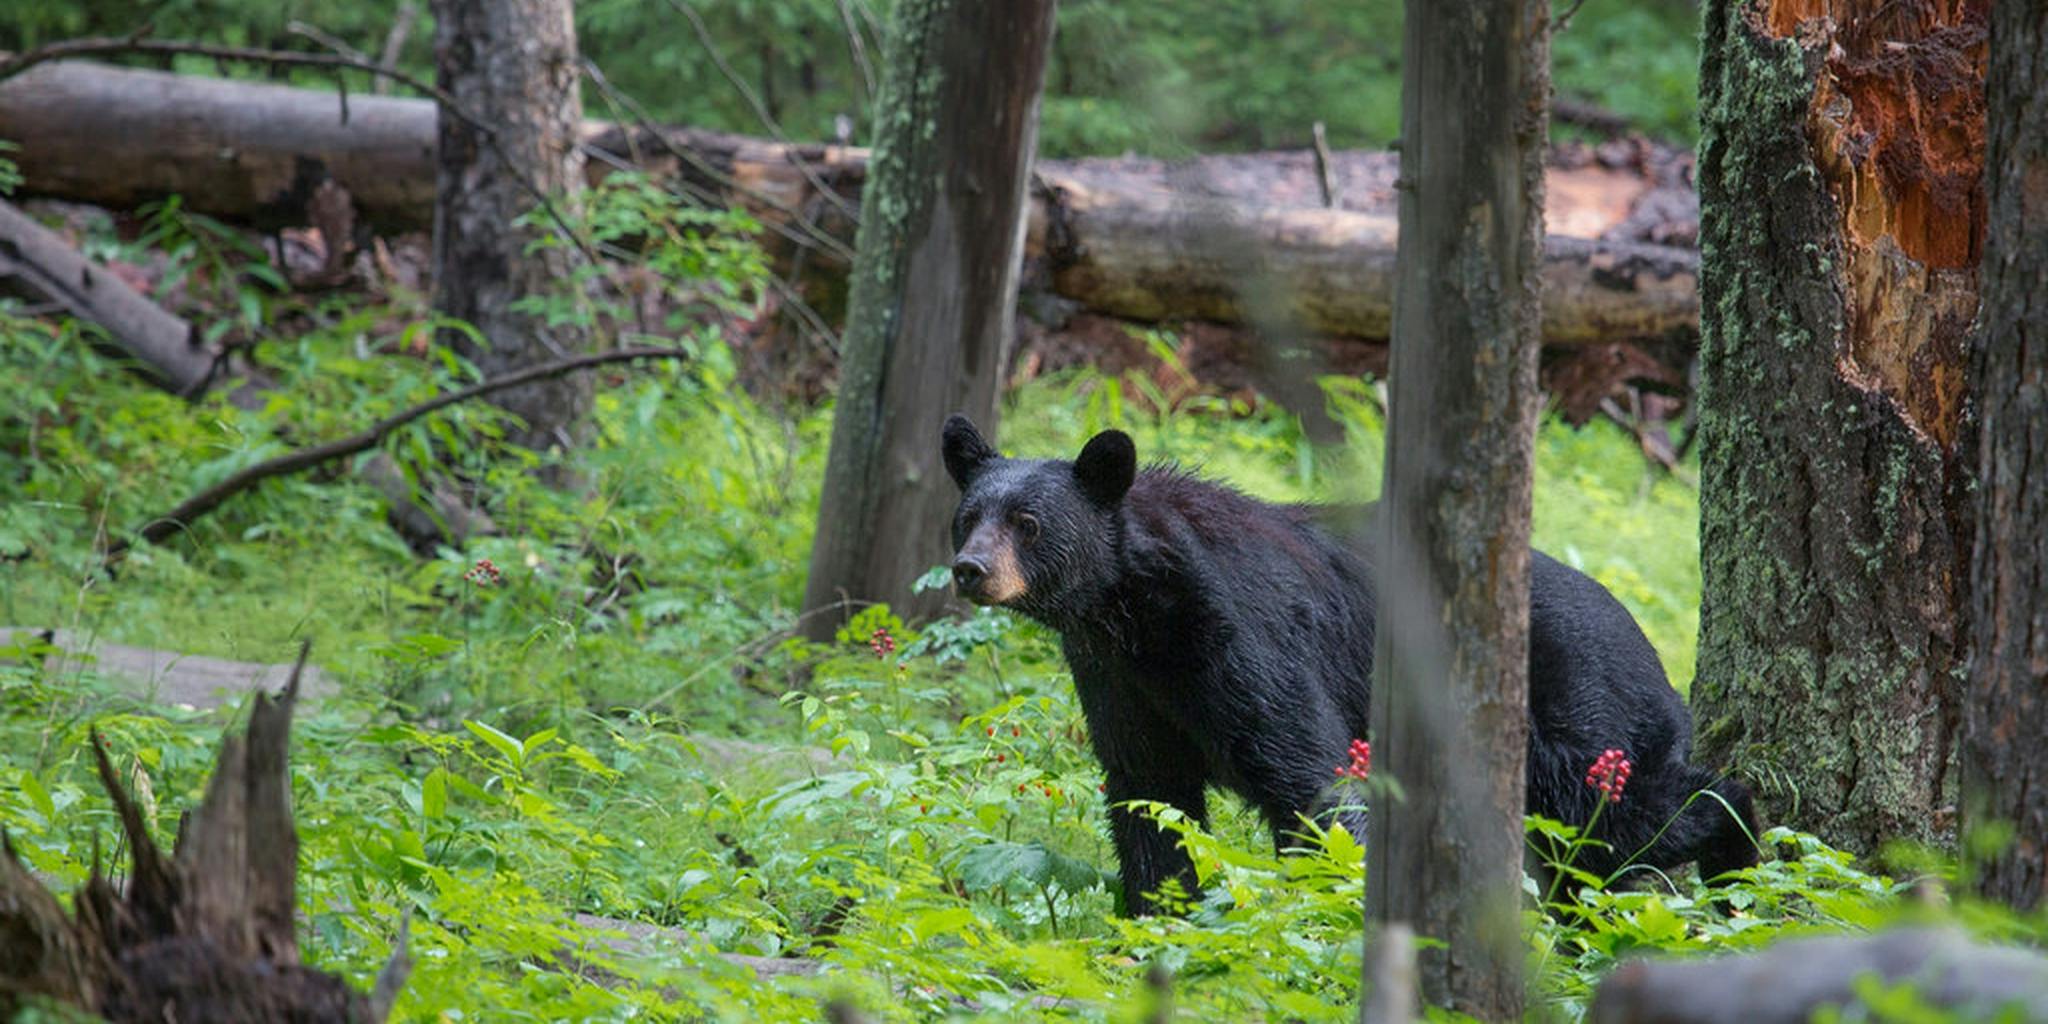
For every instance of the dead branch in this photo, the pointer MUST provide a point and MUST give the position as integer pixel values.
(191, 509)
(394, 43)
(39, 262)
(135, 42)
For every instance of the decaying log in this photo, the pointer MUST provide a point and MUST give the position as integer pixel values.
(1230, 238)
(206, 933)
(1788, 981)
(1159, 256)
(37, 262)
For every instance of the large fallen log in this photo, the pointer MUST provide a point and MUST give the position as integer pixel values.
(1233, 239)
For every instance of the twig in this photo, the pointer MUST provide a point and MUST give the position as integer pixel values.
(760, 110)
(305, 458)
(394, 42)
(857, 45)
(1564, 21)
(813, 234)
(135, 43)
(1656, 450)
(1325, 178)
(332, 42)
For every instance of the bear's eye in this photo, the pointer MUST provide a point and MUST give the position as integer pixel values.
(1027, 525)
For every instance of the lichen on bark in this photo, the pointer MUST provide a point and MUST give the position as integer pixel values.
(1830, 421)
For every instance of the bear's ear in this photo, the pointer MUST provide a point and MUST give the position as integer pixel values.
(966, 453)
(1108, 464)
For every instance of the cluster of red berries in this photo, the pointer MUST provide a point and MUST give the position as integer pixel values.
(483, 573)
(1014, 731)
(882, 643)
(1609, 775)
(1361, 761)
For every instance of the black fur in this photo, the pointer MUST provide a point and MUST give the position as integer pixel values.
(1219, 640)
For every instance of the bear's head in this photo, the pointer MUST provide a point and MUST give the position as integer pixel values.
(1036, 535)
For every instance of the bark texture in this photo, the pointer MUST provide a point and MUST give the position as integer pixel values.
(1842, 214)
(934, 290)
(512, 64)
(1450, 694)
(2005, 758)
(1123, 237)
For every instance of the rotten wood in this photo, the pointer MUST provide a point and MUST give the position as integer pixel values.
(1133, 238)
(1841, 162)
(205, 933)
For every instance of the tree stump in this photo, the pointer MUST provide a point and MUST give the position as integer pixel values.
(206, 934)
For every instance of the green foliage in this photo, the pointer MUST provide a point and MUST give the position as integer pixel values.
(615, 720)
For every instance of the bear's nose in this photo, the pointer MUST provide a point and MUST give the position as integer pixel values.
(968, 571)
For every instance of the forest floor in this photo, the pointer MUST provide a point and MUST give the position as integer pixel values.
(620, 726)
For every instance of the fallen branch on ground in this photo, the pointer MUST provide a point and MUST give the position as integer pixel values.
(205, 501)
(36, 260)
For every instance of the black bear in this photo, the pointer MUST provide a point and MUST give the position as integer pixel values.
(1217, 639)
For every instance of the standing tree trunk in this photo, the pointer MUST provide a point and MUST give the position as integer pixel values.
(512, 64)
(2005, 761)
(935, 282)
(1450, 694)
(1842, 210)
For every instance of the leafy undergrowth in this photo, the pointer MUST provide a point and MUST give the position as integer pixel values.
(616, 721)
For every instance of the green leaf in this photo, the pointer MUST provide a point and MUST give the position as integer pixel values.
(434, 795)
(995, 865)
(504, 744)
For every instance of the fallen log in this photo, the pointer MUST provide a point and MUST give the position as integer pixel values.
(1238, 239)
(206, 933)
(1789, 981)
(36, 262)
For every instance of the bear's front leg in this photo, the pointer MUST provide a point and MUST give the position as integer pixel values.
(1148, 855)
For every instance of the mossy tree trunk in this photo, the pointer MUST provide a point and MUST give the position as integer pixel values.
(512, 64)
(1842, 213)
(2005, 751)
(935, 282)
(1450, 692)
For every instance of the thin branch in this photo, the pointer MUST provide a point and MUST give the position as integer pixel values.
(211, 498)
(135, 43)
(1564, 21)
(332, 42)
(394, 42)
(858, 46)
(760, 110)
(1326, 180)
(813, 235)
